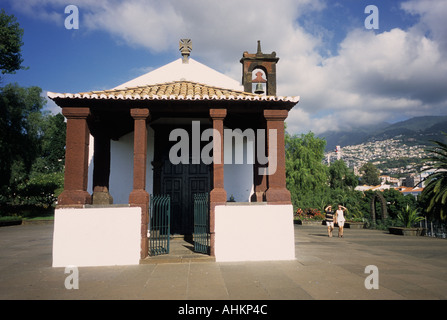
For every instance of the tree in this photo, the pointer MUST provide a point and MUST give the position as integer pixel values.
(10, 43)
(32, 148)
(435, 190)
(340, 176)
(31, 142)
(370, 174)
(51, 157)
(19, 110)
(396, 201)
(307, 176)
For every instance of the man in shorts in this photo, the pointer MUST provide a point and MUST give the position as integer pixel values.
(329, 220)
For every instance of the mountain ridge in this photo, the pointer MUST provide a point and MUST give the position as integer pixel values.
(417, 129)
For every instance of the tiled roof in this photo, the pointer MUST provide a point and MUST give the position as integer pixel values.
(177, 90)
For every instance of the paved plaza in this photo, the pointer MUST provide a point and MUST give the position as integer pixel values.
(325, 268)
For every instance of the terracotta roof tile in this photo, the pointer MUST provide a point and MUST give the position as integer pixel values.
(177, 90)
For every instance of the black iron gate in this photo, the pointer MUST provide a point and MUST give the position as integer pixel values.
(159, 224)
(201, 223)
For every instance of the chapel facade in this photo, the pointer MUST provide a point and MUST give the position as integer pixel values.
(120, 147)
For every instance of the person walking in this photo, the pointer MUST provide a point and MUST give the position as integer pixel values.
(340, 219)
(329, 220)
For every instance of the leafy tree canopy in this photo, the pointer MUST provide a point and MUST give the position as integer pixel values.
(32, 142)
(10, 43)
(340, 176)
(306, 172)
(370, 174)
(20, 129)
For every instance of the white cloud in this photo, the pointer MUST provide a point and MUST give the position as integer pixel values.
(374, 76)
(38, 9)
(432, 19)
(50, 106)
(152, 26)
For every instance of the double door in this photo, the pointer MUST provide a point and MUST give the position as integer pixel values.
(182, 182)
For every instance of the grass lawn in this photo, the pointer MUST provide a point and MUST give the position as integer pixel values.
(27, 215)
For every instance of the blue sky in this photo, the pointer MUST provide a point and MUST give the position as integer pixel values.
(345, 74)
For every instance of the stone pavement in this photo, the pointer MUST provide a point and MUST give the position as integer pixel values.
(325, 268)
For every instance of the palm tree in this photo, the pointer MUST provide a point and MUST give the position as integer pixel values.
(436, 182)
(409, 217)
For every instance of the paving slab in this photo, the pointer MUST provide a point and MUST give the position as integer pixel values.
(324, 268)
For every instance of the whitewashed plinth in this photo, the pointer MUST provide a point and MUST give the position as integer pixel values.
(103, 236)
(254, 232)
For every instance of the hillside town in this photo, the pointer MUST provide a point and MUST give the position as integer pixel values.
(403, 165)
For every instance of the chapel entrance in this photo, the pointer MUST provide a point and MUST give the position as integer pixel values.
(180, 181)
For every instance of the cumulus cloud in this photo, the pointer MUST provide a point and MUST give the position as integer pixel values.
(374, 76)
(432, 19)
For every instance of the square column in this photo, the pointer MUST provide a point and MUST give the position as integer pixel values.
(218, 196)
(277, 192)
(101, 170)
(259, 179)
(139, 196)
(76, 159)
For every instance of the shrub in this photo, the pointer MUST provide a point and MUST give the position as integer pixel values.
(408, 217)
(309, 214)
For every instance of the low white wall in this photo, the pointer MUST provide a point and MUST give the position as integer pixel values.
(254, 232)
(97, 236)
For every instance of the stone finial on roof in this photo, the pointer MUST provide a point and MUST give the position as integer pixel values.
(185, 48)
(259, 48)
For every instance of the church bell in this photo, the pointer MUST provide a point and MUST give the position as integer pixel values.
(259, 89)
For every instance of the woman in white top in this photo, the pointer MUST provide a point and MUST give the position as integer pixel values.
(340, 219)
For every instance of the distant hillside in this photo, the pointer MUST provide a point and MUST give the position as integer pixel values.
(418, 130)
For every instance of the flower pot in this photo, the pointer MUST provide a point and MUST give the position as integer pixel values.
(355, 224)
(407, 231)
(309, 222)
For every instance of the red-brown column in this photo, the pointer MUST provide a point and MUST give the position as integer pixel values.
(76, 159)
(218, 196)
(259, 180)
(277, 191)
(260, 185)
(139, 196)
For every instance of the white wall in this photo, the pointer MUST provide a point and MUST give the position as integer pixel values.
(238, 177)
(91, 149)
(97, 236)
(238, 181)
(254, 232)
(121, 167)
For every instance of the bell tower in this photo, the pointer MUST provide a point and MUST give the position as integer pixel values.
(255, 66)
